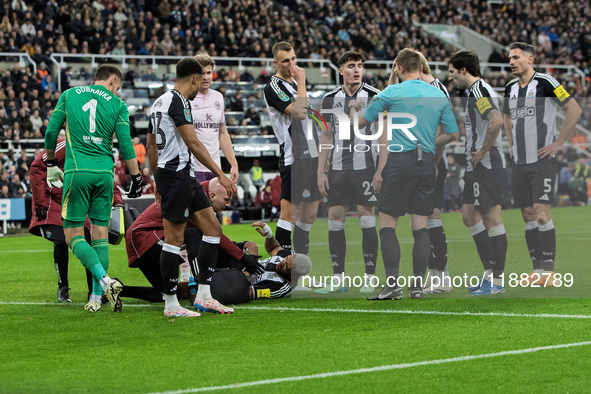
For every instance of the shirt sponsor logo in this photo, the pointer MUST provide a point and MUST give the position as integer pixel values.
(523, 112)
(94, 140)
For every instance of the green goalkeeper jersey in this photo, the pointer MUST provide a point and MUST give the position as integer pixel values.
(92, 115)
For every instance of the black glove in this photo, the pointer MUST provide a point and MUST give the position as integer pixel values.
(135, 190)
(240, 245)
(40, 213)
(251, 262)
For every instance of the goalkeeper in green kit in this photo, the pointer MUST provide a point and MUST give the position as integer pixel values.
(92, 115)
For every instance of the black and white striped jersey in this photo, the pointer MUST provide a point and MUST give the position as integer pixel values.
(533, 111)
(270, 284)
(290, 133)
(169, 111)
(437, 83)
(481, 100)
(347, 154)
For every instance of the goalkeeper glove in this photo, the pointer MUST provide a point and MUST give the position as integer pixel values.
(251, 262)
(54, 174)
(135, 190)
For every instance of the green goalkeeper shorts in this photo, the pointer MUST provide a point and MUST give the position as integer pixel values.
(87, 193)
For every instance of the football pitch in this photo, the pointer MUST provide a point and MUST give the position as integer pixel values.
(525, 340)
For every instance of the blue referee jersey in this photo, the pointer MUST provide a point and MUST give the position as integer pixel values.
(417, 98)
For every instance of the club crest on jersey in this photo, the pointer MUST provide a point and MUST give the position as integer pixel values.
(217, 105)
(531, 93)
(306, 193)
(158, 104)
(186, 212)
(188, 115)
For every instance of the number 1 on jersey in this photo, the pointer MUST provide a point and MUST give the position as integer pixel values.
(91, 105)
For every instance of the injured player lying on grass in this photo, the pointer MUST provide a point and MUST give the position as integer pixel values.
(233, 284)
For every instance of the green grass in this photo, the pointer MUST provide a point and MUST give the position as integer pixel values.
(50, 347)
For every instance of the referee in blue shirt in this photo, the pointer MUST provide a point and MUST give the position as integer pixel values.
(405, 176)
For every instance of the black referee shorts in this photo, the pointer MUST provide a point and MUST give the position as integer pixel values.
(533, 183)
(407, 185)
(181, 195)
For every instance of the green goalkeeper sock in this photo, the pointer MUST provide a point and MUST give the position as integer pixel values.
(101, 247)
(89, 259)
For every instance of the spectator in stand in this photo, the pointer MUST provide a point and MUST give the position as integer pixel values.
(579, 141)
(140, 150)
(247, 76)
(4, 179)
(264, 199)
(149, 76)
(256, 174)
(564, 177)
(236, 103)
(251, 117)
(36, 120)
(16, 189)
(24, 120)
(47, 84)
(582, 169)
(119, 170)
(5, 192)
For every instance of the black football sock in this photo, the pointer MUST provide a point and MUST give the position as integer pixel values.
(498, 249)
(301, 237)
(480, 236)
(369, 243)
(337, 245)
(420, 256)
(390, 253)
(532, 240)
(283, 234)
(548, 245)
(438, 258)
(60, 260)
(142, 293)
(207, 258)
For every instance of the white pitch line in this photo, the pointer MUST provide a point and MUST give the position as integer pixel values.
(410, 312)
(69, 303)
(339, 310)
(376, 369)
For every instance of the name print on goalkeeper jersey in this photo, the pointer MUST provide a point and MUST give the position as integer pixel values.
(93, 112)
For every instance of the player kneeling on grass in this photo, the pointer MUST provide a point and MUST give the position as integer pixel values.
(145, 240)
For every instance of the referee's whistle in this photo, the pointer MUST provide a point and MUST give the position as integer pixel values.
(419, 152)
